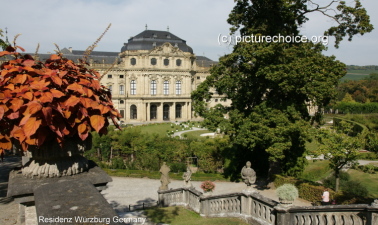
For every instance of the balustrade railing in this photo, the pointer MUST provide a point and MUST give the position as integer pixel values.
(257, 209)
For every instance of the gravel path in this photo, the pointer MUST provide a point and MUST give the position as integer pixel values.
(123, 191)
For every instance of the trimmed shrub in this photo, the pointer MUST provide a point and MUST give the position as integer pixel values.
(287, 192)
(178, 167)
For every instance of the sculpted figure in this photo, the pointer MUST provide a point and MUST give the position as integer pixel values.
(248, 174)
(187, 176)
(164, 179)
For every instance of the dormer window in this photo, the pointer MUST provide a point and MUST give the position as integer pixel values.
(169, 36)
(166, 62)
(154, 44)
(154, 35)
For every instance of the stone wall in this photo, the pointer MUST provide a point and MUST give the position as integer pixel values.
(257, 209)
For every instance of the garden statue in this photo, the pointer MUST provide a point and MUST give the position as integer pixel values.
(248, 175)
(187, 176)
(164, 179)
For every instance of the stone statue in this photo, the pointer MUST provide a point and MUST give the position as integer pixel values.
(248, 175)
(164, 179)
(187, 176)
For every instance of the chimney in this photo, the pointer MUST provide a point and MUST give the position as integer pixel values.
(70, 48)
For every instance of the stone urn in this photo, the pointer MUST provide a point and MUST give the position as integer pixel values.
(51, 160)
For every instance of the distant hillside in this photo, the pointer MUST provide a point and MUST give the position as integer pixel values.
(359, 72)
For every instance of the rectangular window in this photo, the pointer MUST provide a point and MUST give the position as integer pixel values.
(133, 87)
(109, 76)
(178, 87)
(166, 87)
(153, 87)
(121, 89)
(121, 76)
(122, 112)
(110, 88)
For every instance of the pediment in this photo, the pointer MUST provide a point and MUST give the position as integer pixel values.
(166, 48)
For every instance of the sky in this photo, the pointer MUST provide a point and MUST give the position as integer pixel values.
(78, 24)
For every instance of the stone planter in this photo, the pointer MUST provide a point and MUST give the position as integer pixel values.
(285, 202)
(50, 160)
(207, 193)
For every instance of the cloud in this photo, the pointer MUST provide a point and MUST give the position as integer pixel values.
(78, 23)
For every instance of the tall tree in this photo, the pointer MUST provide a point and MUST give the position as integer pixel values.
(271, 83)
(339, 147)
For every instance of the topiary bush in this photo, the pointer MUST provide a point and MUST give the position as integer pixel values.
(287, 193)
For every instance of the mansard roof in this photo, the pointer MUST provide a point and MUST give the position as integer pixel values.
(149, 39)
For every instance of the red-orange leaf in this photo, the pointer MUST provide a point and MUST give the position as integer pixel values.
(10, 87)
(56, 93)
(86, 102)
(76, 87)
(54, 57)
(33, 107)
(5, 142)
(103, 109)
(47, 114)
(46, 97)
(72, 101)
(39, 85)
(97, 122)
(28, 95)
(16, 104)
(13, 116)
(1, 112)
(57, 80)
(29, 62)
(31, 126)
(82, 128)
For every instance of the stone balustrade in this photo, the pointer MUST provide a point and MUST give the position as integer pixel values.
(257, 209)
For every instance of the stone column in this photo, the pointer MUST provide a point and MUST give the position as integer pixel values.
(189, 112)
(172, 111)
(148, 112)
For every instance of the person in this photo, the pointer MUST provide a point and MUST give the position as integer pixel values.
(325, 197)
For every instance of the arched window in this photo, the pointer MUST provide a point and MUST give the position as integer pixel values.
(133, 61)
(153, 61)
(133, 87)
(166, 112)
(133, 112)
(178, 87)
(178, 62)
(166, 62)
(178, 110)
(153, 87)
(153, 112)
(166, 87)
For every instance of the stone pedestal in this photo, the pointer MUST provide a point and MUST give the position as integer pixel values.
(81, 189)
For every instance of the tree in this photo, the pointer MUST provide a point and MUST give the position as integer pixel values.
(3, 44)
(271, 84)
(339, 147)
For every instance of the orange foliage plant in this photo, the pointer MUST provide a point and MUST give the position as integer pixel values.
(54, 99)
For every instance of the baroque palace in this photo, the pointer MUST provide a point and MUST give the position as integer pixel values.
(153, 77)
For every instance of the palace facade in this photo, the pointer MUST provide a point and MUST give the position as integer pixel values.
(152, 78)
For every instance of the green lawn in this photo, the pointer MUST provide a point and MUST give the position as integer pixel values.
(370, 181)
(181, 216)
(156, 175)
(317, 170)
(196, 134)
(357, 74)
(162, 128)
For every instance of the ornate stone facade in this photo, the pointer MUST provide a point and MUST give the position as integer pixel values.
(154, 78)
